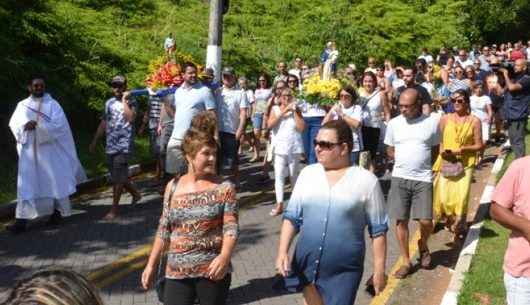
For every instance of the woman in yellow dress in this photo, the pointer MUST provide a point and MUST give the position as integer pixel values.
(461, 141)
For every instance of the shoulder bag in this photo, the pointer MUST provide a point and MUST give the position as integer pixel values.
(161, 277)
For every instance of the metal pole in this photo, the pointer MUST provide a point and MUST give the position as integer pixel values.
(215, 38)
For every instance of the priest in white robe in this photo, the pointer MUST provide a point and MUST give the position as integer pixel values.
(48, 166)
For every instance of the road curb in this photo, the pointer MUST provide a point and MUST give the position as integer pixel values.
(8, 209)
(470, 244)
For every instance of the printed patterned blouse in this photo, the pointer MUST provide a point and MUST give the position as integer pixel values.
(194, 225)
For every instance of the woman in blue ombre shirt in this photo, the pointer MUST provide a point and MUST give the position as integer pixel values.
(331, 205)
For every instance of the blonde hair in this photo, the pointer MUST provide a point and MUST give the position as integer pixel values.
(54, 287)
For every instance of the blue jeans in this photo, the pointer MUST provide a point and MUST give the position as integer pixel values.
(355, 157)
(517, 290)
(312, 126)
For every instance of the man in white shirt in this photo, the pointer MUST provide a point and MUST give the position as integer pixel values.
(297, 70)
(232, 105)
(281, 68)
(413, 141)
(463, 60)
(191, 98)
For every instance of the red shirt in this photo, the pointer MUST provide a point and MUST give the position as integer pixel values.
(517, 54)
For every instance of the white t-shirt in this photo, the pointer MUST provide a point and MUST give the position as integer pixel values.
(262, 97)
(465, 63)
(250, 96)
(373, 111)
(355, 112)
(413, 141)
(397, 82)
(479, 106)
(429, 87)
(287, 140)
(169, 43)
(189, 101)
(229, 103)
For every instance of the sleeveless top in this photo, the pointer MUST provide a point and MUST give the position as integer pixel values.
(373, 110)
(455, 135)
(286, 138)
(262, 97)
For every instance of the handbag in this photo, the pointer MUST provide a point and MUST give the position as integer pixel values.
(161, 278)
(452, 168)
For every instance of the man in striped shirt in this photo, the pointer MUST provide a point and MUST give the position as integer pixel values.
(151, 120)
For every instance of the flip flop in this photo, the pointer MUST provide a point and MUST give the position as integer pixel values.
(275, 212)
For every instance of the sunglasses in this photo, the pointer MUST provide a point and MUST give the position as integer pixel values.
(262, 80)
(459, 71)
(458, 100)
(325, 144)
(345, 95)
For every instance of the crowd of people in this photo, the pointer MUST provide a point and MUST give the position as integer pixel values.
(424, 126)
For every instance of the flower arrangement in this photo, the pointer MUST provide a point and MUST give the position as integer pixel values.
(167, 72)
(321, 92)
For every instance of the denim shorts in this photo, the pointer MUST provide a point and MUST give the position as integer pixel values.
(257, 120)
(355, 157)
(517, 290)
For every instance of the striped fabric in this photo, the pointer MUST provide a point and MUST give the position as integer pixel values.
(154, 111)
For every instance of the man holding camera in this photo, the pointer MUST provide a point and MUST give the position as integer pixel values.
(516, 103)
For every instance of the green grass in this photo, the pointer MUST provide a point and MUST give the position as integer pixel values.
(94, 164)
(485, 277)
(484, 281)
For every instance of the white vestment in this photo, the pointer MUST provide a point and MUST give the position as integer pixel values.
(48, 167)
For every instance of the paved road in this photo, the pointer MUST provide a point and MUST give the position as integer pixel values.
(86, 243)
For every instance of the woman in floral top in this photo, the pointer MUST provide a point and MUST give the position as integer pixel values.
(198, 228)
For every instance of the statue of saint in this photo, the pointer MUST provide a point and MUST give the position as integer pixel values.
(329, 58)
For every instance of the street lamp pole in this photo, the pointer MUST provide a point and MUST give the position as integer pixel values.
(215, 38)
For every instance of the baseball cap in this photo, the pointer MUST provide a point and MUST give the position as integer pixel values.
(228, 71)
(119, 80)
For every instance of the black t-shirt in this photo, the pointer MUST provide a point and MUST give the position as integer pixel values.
(425, 96)
(516, 103)
(442, 59)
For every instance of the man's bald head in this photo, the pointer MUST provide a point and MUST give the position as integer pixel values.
(410, 103)
(520, 66)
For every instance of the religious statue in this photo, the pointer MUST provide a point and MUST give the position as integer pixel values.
(329, 59)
